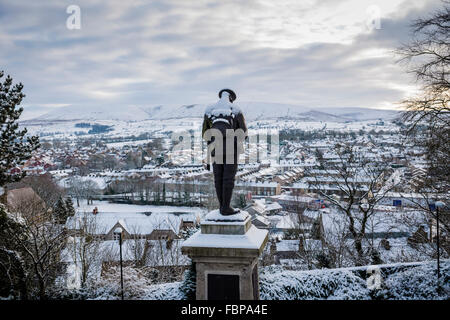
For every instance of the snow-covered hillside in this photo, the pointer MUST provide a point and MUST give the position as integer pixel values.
(252, 111)
(128, 113)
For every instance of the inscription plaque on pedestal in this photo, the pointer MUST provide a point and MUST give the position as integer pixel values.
(223, 287)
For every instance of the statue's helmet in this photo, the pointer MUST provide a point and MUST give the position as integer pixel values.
(230, 92)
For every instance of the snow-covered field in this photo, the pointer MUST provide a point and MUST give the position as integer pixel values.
(65, 129)
(254, 110)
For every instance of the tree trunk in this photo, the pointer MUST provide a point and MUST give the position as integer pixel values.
(41, 288)
(359, 251)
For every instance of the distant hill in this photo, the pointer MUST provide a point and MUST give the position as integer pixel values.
(33, 112)
(252, 111)
(129, 113)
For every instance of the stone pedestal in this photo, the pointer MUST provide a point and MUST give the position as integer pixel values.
(225, 252)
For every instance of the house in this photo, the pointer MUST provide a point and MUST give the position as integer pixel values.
(382, 225)
(287, 249)
(263, 207)
(257, 208)
(288, 176)
(188, 224)
(273, 207)
(112, 235)
(284, 223)
(290, 202)
(261, 222)
(410, 199)
(135, 225)
(131, 232)
(158, 254)
(280, 250)
(259, 188)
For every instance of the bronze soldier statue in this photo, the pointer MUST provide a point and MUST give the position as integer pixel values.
(224, 124)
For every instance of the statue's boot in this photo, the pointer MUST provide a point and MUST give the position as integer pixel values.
(219, 191)
(218, 182)
(226, 209)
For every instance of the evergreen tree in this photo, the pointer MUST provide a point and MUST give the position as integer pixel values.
(242, 201)
(323, 261)
(316, 231)
(189, 285)
(187, 198)
(60, 212)
(69, 207)
(12, 266)
(15, 147)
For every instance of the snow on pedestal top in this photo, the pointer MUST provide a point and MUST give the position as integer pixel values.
(253, 239)
(215, 215)
(226, 236)
(216, 223)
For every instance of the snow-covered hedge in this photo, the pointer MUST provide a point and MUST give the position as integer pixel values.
(279, 284)
(165, 291)
(398, 282)
(184, 290)
(417, 283)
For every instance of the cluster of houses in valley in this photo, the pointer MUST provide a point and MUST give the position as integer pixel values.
(161, 231)
(308, 230)
(281, 197)
(34, 166)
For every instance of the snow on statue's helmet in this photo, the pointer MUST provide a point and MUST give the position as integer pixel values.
(230, 92)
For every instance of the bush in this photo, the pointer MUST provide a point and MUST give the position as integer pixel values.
(188, 286)
(164, 291)
(279, 284)
(417, 283)
(399, 282)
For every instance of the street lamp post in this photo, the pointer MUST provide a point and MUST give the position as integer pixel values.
(438, 204)
(118, 232)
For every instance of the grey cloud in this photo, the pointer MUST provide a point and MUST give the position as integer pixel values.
(166, 52)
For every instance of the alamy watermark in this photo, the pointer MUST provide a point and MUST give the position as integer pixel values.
(73, 21)
(373, 20)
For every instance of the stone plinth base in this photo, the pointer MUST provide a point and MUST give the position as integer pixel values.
(226, 252)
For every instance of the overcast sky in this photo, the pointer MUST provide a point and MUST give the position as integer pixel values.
(142, 52)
